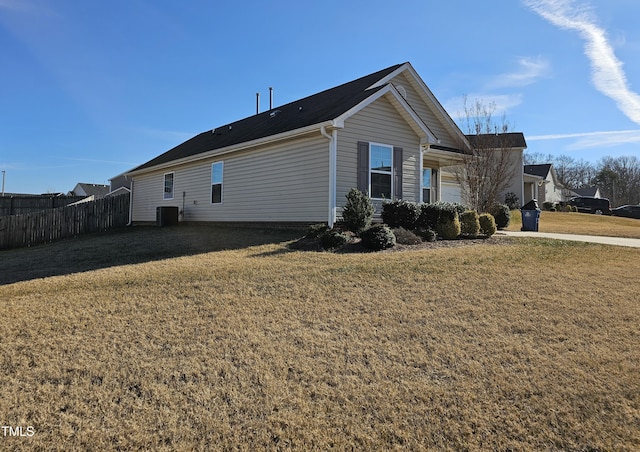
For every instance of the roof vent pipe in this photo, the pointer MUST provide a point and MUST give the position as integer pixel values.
(270, 98)
(257, 103)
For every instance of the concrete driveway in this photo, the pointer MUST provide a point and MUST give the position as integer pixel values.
(618, 241)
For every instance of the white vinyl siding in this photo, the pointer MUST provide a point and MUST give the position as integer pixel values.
(379, 122)
(283, 182)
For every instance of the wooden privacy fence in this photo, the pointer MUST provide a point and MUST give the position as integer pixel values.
(48, 225)
(17, 205)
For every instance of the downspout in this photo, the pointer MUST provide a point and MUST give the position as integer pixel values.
(333, 158)
(131, 205)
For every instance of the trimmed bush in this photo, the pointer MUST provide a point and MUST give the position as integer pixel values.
(501, 214)
(449, 229)
(358, 212)
(316, 230)
(400, 214)
(378, 237)
(406, 237)
(430, 214)
(427, 234)
(547, 205)
(487, 224)
(469, 224)
(333, 238)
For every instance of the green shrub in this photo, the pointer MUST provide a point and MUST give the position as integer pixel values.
(469, 224)
(501, 214)
(568, 208)
(449, 229)
(512, 201)
(553, 209)
(430, 214)
(358, 212)
(406, 237)
(547, 205)
(316, 230)
(333, 238)
(487, 224)
(378, 237)
(427, 234)
(400, 214)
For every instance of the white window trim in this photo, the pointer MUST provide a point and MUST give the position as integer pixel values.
(390, 173)
(164, 185)
(221, 185)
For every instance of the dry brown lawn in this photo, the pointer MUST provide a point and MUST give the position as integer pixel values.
(581, 223)
(205, 344)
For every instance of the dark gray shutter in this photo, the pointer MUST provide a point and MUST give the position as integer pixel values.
(397, 172)
(363, 167)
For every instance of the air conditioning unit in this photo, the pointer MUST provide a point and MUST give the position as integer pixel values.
(167, 216)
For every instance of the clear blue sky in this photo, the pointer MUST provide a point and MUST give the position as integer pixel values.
(90, 89)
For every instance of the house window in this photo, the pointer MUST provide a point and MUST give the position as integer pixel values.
(380, 158)
(168, 186)
(429, 185)
(216, 183)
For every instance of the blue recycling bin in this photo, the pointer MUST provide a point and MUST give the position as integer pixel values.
(530, 216)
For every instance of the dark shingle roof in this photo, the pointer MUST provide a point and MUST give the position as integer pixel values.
(315, 109)
(97, 190)
(587, 191)
(500, 140)
(538, 170)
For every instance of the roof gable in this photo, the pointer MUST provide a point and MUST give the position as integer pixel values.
(406, 72)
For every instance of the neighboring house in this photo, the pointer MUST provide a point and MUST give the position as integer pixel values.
(593, 192)
(96, 190)
(385, 134)
(541, 183)
(119, 185)
(514, 144)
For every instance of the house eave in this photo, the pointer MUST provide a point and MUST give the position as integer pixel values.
(315, 128)
(444, 157)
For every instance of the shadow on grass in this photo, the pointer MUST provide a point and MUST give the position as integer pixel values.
(130, 246)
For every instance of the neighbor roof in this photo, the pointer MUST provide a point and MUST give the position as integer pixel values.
(499, 140)
(587, 191)
(315, 109)
(97, 190)
(538, 170)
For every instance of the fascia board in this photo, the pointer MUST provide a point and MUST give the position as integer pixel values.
(235, 148)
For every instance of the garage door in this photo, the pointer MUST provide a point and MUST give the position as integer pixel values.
(451, 193)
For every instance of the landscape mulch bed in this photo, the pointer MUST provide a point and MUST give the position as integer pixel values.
(312, 244)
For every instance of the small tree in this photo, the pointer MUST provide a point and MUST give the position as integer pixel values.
(358, 212)
(489, 167)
